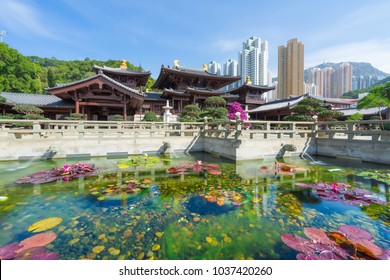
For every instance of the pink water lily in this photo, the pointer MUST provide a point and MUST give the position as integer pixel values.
(66, 168)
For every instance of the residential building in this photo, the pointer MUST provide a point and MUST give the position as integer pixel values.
(253, 61)
(328, 84)
(344, 78)
(214, 68)
(230, 68)
(291, 69)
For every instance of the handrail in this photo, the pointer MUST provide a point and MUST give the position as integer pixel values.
(352, 130)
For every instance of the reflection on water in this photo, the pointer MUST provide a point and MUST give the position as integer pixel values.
(239, 214)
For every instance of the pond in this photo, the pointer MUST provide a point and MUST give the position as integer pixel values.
(195, 206)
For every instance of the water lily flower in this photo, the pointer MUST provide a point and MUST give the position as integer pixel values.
(334, 187)
(66, 168)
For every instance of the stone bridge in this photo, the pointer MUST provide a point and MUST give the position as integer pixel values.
(366, 140)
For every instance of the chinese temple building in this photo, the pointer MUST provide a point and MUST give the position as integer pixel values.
(111, 91)
(183, 86)
(250, 95)
(118, 91)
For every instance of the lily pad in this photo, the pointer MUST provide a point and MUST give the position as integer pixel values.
(355, 232)
(37, 240)
(45, 224)
(298, 243)
(7, 252)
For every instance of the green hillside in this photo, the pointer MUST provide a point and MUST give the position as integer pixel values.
(32, 74)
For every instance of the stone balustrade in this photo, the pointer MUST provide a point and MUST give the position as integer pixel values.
(237, 140)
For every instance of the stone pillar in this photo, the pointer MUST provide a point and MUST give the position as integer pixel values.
(167, 113)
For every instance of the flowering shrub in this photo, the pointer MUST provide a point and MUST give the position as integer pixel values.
(235, 108)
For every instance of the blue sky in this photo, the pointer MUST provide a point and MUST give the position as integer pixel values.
(155, 32)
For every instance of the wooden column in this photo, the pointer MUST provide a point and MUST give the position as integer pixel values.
(124, 110)
(77, 106)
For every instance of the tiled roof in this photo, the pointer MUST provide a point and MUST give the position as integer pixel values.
(368, 111)
(104, 77)
(121, 70)
(156, 96)
(39, 100)
(333, 100)
(278, 104)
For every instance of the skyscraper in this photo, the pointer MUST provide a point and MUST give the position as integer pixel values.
(316, 78)
(230, 68)
(328, 82)
(214, 67)
(291, 69)
(344, 78)
(253, 61)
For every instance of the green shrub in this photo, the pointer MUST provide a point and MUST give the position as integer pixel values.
(118, 118)
(150, 117)
(76, 116)
(33, 117)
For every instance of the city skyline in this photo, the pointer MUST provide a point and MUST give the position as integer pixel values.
(150, 33)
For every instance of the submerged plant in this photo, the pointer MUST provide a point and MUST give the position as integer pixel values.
(348, 242)
(195, 167)
(129, 188)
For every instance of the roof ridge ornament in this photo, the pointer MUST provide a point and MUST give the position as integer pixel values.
(176, 63)
(248, 80)
(205, 67)
(123, 64)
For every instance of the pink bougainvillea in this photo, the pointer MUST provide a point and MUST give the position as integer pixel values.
(235, 107)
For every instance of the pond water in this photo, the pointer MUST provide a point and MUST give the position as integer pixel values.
(138, 210)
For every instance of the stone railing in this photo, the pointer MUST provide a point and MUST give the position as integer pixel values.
(43, 129)
(259, 129)
(355, 130)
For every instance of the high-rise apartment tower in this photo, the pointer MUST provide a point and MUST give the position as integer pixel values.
(253, 61)
(291, 69)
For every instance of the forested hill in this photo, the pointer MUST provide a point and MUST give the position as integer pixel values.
(32, 74)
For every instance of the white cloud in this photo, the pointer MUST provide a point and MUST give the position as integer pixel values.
(375, 51)
(21, 18)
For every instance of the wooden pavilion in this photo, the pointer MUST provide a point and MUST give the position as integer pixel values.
(111, 91)
(183, 86)
(250, 95)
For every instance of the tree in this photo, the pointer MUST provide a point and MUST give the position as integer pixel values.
(190, 113)
(27, 109)
(215, 101)
(51, 81)
(355, 117)
(378, 97)
(309, 107)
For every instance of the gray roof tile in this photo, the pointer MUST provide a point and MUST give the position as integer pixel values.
(40, 100)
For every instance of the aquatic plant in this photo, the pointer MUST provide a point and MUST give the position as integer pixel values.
(195, 167)
(341, 192)
(31, 248)
(380, 176)
(45, 224)
(348, 242)
(142, 160)
(65, 173)
(128, 189)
